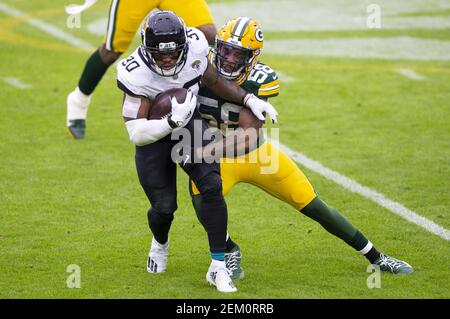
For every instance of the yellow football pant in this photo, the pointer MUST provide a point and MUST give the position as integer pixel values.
(270, 169)
(125, 17)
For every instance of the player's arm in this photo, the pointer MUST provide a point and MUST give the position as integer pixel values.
(143, 131)
(230, 91)
(237, 142)
(140, 130)
(223, 87)
(249, 129)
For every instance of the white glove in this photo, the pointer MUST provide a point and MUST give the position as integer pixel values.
(182, 112)
(259, 106)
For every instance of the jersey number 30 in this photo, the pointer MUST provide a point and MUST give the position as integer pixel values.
(130, 64)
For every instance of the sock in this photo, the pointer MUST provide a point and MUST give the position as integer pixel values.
(369, 251)
(364, 247)
(80, 103)
(163, 245)
(93, 72)
(218, 256)
(372, 255)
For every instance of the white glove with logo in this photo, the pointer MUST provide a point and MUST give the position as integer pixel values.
(259, 106)
(182, 112)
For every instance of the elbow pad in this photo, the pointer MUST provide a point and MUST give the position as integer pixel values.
(143, 132)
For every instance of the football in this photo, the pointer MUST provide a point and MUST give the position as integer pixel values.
(162, 106)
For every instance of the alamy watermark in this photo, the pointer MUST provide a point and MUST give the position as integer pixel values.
(374, 279)
(373, 20)
(73, 20)
(74, 13)
(74, 279)
(196, 145)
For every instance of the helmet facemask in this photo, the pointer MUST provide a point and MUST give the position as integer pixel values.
(232, 60)
(167, 51)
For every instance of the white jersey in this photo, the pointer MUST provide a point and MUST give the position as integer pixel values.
(135, 77)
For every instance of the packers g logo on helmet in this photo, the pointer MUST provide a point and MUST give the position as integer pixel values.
(259, 35)
(238, 44)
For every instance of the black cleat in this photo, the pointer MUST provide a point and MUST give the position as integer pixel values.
(392, 265)
(76, 128)
(233, 263)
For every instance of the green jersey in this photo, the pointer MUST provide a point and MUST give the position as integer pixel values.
(218, 112)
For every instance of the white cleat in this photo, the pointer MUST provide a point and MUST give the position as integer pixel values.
(77, 106)
(157, 257)
(219, 276)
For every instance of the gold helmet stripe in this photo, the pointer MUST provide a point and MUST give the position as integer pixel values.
(240, 27)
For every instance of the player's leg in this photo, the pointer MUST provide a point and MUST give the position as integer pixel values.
(233, 253)
(336, 224)
(213, 216)
(195, 13)
(157, 176)
(124, 19)
(212, 210)
(289, 184)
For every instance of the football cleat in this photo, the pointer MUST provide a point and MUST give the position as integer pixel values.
(392, 265)
(233, 263)
(157, 257)
(219, 276)
(77, 106)
(76, 128)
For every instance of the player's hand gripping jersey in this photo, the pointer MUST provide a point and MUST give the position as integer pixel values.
(262, 81)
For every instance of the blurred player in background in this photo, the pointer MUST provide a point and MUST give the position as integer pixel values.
(235, 57)
(125, 17)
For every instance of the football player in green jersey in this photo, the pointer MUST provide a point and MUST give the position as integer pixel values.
(235, 57)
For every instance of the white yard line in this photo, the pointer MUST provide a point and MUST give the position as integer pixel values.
(311, 164)
(326, 15)
(285, 78)
(367, 192)
(389, 48)
(48, 28)
(410, 74)
(16, 82)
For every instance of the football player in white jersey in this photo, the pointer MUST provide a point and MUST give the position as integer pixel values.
(125, 18)
(173, 56)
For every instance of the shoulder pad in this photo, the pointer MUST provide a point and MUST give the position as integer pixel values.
(197, 41)
(132, 75)
(264, 80)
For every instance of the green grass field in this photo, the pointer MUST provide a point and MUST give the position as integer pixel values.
(68, 202)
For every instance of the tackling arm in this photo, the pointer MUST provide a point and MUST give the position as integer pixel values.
(230, 91)
(239, 141)
(223, 87)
